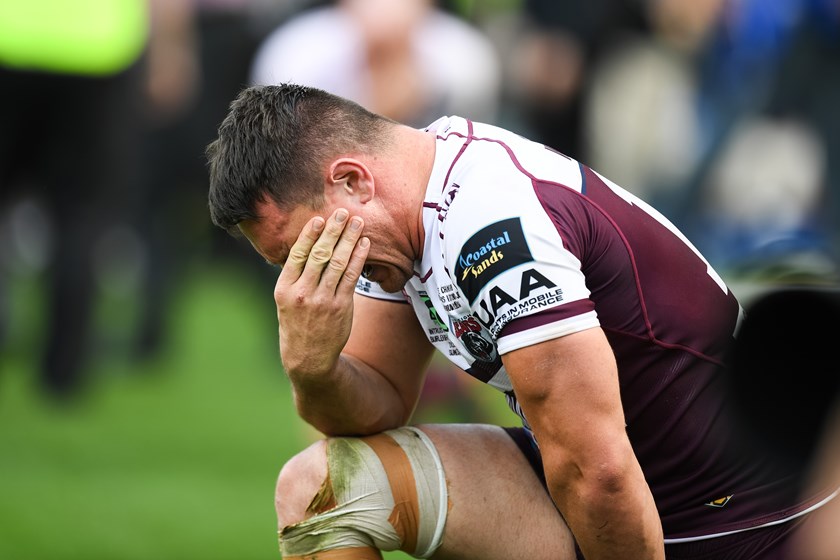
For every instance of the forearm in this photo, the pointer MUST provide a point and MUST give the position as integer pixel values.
(346, 379)
(352, 399)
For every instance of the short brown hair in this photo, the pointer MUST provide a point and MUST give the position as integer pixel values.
(274, 142)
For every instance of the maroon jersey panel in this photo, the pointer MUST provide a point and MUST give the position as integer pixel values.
(670, 323)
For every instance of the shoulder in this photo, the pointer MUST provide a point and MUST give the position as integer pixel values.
(494, 177)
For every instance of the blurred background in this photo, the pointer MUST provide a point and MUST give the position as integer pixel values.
(143, 410)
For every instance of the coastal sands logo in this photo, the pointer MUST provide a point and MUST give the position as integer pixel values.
(491, 251)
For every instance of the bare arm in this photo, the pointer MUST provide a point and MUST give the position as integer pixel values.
(378, 377)
(568, 389)
(356, 364)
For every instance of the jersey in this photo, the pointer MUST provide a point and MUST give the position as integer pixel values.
(524, 244)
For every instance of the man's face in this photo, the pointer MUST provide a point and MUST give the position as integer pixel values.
(273, 235)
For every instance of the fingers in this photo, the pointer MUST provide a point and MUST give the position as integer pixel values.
(322, 250)
(327, 253)
(331, 252)
(338, 265)
(347, 283)
(299, 253)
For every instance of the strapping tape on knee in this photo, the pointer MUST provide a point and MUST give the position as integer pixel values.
(386, 492)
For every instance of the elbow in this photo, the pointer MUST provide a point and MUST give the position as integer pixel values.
(608, 480)
(612, 470)
(596, 479)
(334, 423)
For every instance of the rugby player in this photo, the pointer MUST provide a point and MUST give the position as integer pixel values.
(597, 320)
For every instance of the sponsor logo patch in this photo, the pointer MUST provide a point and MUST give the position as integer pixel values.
(478, 342)
(720, 502)
(489, 252)
(433, 313)
(498, 307)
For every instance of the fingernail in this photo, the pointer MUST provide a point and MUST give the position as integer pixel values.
(364, 242)
(341, 215)
(318, 224)
(355, 223)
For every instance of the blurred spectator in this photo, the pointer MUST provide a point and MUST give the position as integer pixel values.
(761, 199)
(551, 47)
(807, 88)
(69, 122)
(172, 84)
(772, 63)
(714, 117)
(408, 60)
(640, 121)
(197, 62)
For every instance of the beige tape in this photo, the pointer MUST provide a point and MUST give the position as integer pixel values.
(405, 517)
(383, 492)
(358, 553)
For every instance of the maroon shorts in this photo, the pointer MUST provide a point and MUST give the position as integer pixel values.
(766, 543)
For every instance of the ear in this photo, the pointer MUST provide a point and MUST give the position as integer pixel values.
(350, 177)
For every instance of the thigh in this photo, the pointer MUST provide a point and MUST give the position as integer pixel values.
(498, 506)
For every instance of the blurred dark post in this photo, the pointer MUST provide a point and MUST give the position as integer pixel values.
(785, 384)
(785, 369)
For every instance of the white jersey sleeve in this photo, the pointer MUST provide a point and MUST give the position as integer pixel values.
(502, 247)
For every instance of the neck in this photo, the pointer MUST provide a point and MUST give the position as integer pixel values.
(420, 158)
(413, 162)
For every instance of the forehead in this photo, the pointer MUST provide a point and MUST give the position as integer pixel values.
(274, 231)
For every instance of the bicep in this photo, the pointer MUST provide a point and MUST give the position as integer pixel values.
(387, 337)
(568, 389)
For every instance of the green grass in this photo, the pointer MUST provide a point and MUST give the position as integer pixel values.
(174, 458)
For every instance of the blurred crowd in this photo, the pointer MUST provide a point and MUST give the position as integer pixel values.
(722, 113)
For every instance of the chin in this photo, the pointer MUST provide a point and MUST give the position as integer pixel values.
(393, 289)
(391, 285)
(389, 279)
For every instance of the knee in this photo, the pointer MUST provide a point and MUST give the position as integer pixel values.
(385, 492)
(299, 481)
